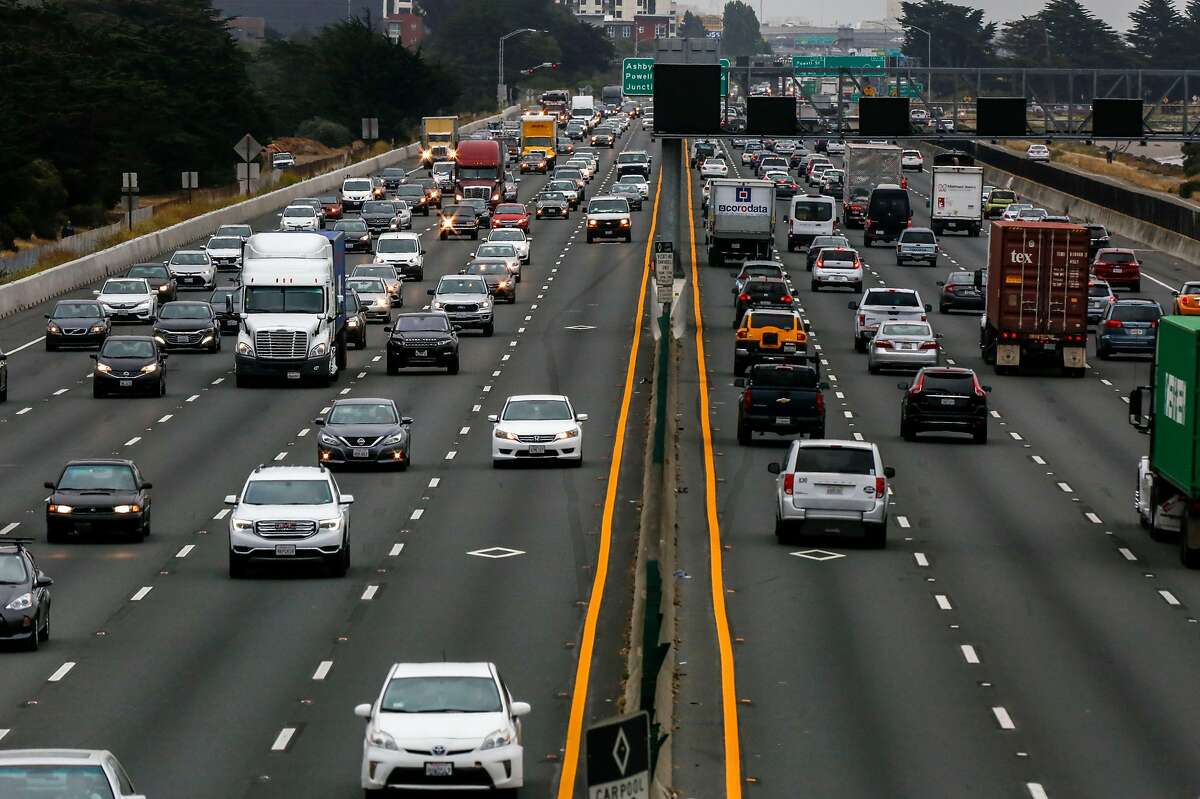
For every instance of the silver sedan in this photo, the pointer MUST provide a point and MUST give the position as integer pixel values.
(903, 345)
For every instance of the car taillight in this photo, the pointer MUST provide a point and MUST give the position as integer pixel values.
(924, 318)
(929, 345)
(789, 483)
(743, 297)
(746, 400)
(801, 337)
(820, 402)
(880, 487)
(862, 318)
(867, 221)
(1113, 323)
(918, 386)
(786, 299)
(948, 289)
(820, 264)
(882, 343)
(743, 333)
(979, 392)
(1154, 323)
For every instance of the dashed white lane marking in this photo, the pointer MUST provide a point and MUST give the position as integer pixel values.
(512, 343)
(1168, 597)
(839, 395)
(302, 433)
(487, 389)
(951, 361)
(1035, 788)
(1039, 460)
(283, 739)
(475, 408)
(3, 734)
(281, 456)
(496, 373)
(921, 558)
(376, 359)
(185, 550)
(166, 418)
(221, 514)
(848, 414)
(323, 670)
(369, 593)
(995, 414)
(464, 431)
(28, 344)
(1106, 382)
(361, 375)
(140, 594)
(24, 411)
(1093, 518)
(192, 398)
(61, 671)
(520, 330)
(1015, 436)
(858, 436)
(434, 482)
(1127, 553)
(1002, 718)
(505, 357)
(8, 528)
(528, 317)
(344, 391)
(903, 522)
(943, 601)
(969, 654)
(450, 455)
(61, 391)
(133, 441)
(1066, 488)
(218, 381)
(326, 409)
(1125, 400)
(395, 550)
(417, 514)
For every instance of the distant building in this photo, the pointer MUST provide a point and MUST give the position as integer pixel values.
(403, 22)
(248, 31)
(648, 27)
(619, 10)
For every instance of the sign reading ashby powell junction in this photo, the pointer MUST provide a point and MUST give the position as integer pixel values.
(637, 77)
(618, 758)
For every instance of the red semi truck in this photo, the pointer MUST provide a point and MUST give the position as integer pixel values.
(1037, 285)
(480, 170)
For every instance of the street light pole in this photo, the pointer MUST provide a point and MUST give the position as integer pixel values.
(501, 89)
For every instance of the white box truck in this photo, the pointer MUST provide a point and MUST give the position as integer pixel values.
(956, 202)
(741, 220)
(583, 108)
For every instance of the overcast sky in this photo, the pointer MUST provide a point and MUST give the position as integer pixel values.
(826, 12)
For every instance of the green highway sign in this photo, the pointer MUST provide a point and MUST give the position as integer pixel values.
(808, 65)
(637, 77)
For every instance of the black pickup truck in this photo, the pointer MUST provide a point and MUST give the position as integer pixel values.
(780, 398)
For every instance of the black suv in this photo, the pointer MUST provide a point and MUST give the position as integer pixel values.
(888, 213)
(93, 497)
(422, 339)
(458, 220)
(763, 292)
(414, 195)
(1098, 239)
(944, 398)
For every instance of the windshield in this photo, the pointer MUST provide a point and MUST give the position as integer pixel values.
(197, 258)
(537, 410)
(829, 256)
(124, 287)
(54, 782)
(363, 413)
(443, 168)
(477, 173)
(473, 204)
(552, 196)
(949, 383)
(830, 241)
(478, 268)
(835, 460)
(440, 695)
(631, 158)
(417, 323)
(532, 157)
(149, 271)
(290, 299)
(380, 271)
(294, 211)
(224, 244)
(633, 179)
(496, 251)
(397, 245)
(562, 185)
(452, 285)
(234, 230)
(379, 207)
(1190, 288)
(768, 375)
(507, 234)
(351, 226)
(287, 492)
(1136, 313)
(919, 237)
(1115, 257)
(218, 299)
(812, 211)
(411, 191)
(127, 348)
(1001, 194)
(905, 329)
(1102, 290)
(12, 571)
(367, 285)
(510, 208)
(892, 299)
(782, 321)
(361, 184)
(185, 310)
(608, 207)
(77, 310)
(97, 477)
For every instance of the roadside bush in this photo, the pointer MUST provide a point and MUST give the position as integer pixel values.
(326, 131)
(1188, 188)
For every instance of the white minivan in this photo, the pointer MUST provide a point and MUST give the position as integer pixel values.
(808, 216)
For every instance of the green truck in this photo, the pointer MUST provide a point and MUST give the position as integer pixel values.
(1168, 487)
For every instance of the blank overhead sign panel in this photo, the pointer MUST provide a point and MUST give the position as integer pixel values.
(884, 116)
(1000, 116)
(687, 99)
(1117, 118)
(771, 116)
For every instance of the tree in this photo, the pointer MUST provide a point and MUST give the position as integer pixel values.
(692, 27)
(740, 34)
(960, 36)
(1159, 35)
(1064, 34)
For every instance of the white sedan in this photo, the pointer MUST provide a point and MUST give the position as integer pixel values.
(912, 159)
(299, 217)
(128, 299)
(441, 726)
(714, 168)
(518, 238)
(1038, 152)
(537, 426)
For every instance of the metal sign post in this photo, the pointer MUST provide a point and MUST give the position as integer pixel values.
(190, 181)
(129, 187)
(618, 758)
(247, 173)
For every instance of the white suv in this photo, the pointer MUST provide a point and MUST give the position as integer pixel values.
(79, 772)
(289, 513)
(826, 486)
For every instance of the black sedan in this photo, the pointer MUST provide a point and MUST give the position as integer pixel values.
(631, 196)
(501, 284)
(160, 279)
(187, 326)
(356, 320)
(422, 339)
(98, 497)
(483, 211)
(433, 192)
(229, 318)
(414, 195)
(129, 365)
(534, 162)
(76, 323)
(603, 138)
(364, 431)
(959, 293)
(24, 596)
(356, 233)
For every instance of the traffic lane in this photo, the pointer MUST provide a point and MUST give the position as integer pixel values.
(1045, 625)
(504, 609)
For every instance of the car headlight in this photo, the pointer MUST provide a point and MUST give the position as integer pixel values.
(164, 287)
(61, 508)
(383, 302)
(625, 222)
(23, 602)
(592, 223)
(502, 284)
(395, 438)
(149, 368)
(435, 305)
(325, 438)
(382, 740)
(486, 301)
(330, 524)
(243, 348)
(53, 328)
(160, 339)
(318, 350)
(135, 508)
(103, 367)
(507, 436)
(572, 433)
(352, 322)
(499, 738)
(97, 328)
(242, 524)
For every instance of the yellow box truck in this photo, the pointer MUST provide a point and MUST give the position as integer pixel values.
(439, 139)
(539, 132)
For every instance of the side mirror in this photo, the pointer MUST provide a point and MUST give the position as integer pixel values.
(1141, 408)
(462, 271)
(42, 581)
(431, 292)
(319, 421)
(146, 486)
(852, 305)
(345, 499)
(941, 283)
(581, 417)
(362, 711)
(48, 485)
(493, 417)
(520, 709)
(231, 499)
(889, 471)
(774, 468)
(96, 292)
(928, 307)
(902, 386)
(406, 420)
(48, 315)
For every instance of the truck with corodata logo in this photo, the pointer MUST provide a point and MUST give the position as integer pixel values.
(1167, 496)
(741, 220)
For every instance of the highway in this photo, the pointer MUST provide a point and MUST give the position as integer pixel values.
(1020, 635)
(246, 688)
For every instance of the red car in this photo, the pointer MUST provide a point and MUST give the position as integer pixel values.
(332, 206)
(511, 215)
(1118, 267)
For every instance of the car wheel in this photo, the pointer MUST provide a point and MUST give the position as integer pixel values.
(876, 535)
(51, 347)
(489, 329)
(44, 634)
(216, 346)
(860, 344)
(97, 392)
(442, 235)
(941, 307)
(392, 368)
(872, 368)
(33, 643)
(908, 432)
(1102, 352)
(745, 436)
(589, 238)
(241, 380)
(980, 435)
(162, 388)
(237, 566)
(452, 367)
(782, 534)
(339, 564)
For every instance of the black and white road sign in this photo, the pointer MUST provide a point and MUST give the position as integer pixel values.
(618, 758)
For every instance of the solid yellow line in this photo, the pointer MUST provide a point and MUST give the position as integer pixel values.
(583, 669)
(716, 577)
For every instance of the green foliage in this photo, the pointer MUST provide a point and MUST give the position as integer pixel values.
(691, 27)
(1188, 188)
(740, 33)
(326, 131)
(1159, 34)
(961, 38)
(1191, 159)
(1064, 34)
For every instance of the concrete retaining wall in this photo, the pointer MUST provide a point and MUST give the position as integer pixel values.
(53, 282)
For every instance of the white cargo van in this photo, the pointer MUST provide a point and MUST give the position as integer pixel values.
(809, 216)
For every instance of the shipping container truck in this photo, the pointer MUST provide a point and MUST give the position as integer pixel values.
(439, 140)
(956, 202)
(1037, 291)
(555, 103)
(1167, 497)
(539, 132)
(741, 220)
(867, 166)
(611, 96)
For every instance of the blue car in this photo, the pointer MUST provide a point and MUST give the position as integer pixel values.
(1128, 326)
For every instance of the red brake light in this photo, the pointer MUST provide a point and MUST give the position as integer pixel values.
(880, 487)
(746, 400)
(882, 343)
(862, 318)
(789, 481)
(918, 386)
(929, 345)
(820, 402)
(786, 299)
(1154, 323)
(743, 297)
(1113, 323)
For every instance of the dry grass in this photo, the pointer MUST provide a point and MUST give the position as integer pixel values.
(1145, 173)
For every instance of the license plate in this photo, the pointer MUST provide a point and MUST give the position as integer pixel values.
(783, 420)
(422, 353)
(736, 245)
(833, 491)
(1049, 345)
(126, 383)
(285, 550)
(293, 375)
(537, 449)
(947, 402)
(362, 452)
(908, 346)
(1116, 269)
(1137, 332)
(439, 769)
